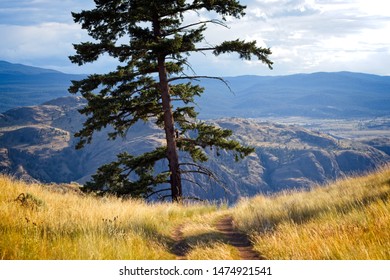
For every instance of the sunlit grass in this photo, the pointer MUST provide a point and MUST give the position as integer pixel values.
(205, 241)
(70, 226)
(213, 251)
(359, 234)
(348, 219)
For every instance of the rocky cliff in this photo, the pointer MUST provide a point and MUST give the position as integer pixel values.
(37, 143)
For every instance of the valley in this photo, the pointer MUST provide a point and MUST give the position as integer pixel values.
(361, 129)
(37, 143)
(307, 129)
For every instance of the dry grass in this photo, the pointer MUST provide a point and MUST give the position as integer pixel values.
(213, 251)
(42, 224)
(205, 241)
(348, 219)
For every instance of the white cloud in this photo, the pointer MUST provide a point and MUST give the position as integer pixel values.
(304, 35)
(33, 12)
(38, 41)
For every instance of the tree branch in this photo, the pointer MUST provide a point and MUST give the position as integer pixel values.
(205, 171)
(156, 192)
(215, 21)
(195, 183)
(196, 78)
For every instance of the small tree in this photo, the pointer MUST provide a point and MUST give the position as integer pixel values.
(152, 43)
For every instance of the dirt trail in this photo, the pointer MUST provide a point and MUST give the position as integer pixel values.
(230, 236)
(237, 239)
(181, 247)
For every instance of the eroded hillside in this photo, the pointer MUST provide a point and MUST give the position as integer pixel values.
(37, 143)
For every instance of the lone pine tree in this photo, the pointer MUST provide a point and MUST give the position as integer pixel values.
(152, 42)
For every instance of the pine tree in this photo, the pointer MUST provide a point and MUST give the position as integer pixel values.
(152, 43)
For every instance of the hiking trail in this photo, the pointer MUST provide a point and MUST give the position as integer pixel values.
(230, 235)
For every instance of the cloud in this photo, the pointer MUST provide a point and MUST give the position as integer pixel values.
(38, 41)
(285, 8)
(309, 35)
(304, 35)
(32, 12)
(41, 32)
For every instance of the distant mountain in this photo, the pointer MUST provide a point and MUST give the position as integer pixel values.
(317, 95)
(20, 69)
(36, 143)
(22, 85)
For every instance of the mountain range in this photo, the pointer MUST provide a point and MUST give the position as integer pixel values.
(22, 85)
(317, 95)
(37, 143)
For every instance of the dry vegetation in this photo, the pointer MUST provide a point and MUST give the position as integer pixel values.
(348, 219)
(205, 241)
(42, 224)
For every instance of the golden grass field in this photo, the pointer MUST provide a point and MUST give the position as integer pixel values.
(70, 226)
(347, 219)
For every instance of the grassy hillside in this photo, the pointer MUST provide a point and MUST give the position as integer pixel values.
(42, 224)
(348, 219)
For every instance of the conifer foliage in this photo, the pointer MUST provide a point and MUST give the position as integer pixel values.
(152, 40)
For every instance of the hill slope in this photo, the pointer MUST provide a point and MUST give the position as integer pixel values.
(42, 222)
(37, 143)
(348, 219)
(22, 85)
(20, 69)
(318, 95)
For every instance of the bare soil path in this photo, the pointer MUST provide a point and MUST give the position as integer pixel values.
(237, 239)
(229, 236)
(181, 247)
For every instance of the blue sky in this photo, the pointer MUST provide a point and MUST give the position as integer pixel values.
(305, 36)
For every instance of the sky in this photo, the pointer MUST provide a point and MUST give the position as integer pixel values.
(305, 36)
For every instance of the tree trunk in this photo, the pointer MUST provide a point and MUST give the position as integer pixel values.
(172, 153)
(169, 124)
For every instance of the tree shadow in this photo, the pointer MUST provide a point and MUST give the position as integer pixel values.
(181, 246)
